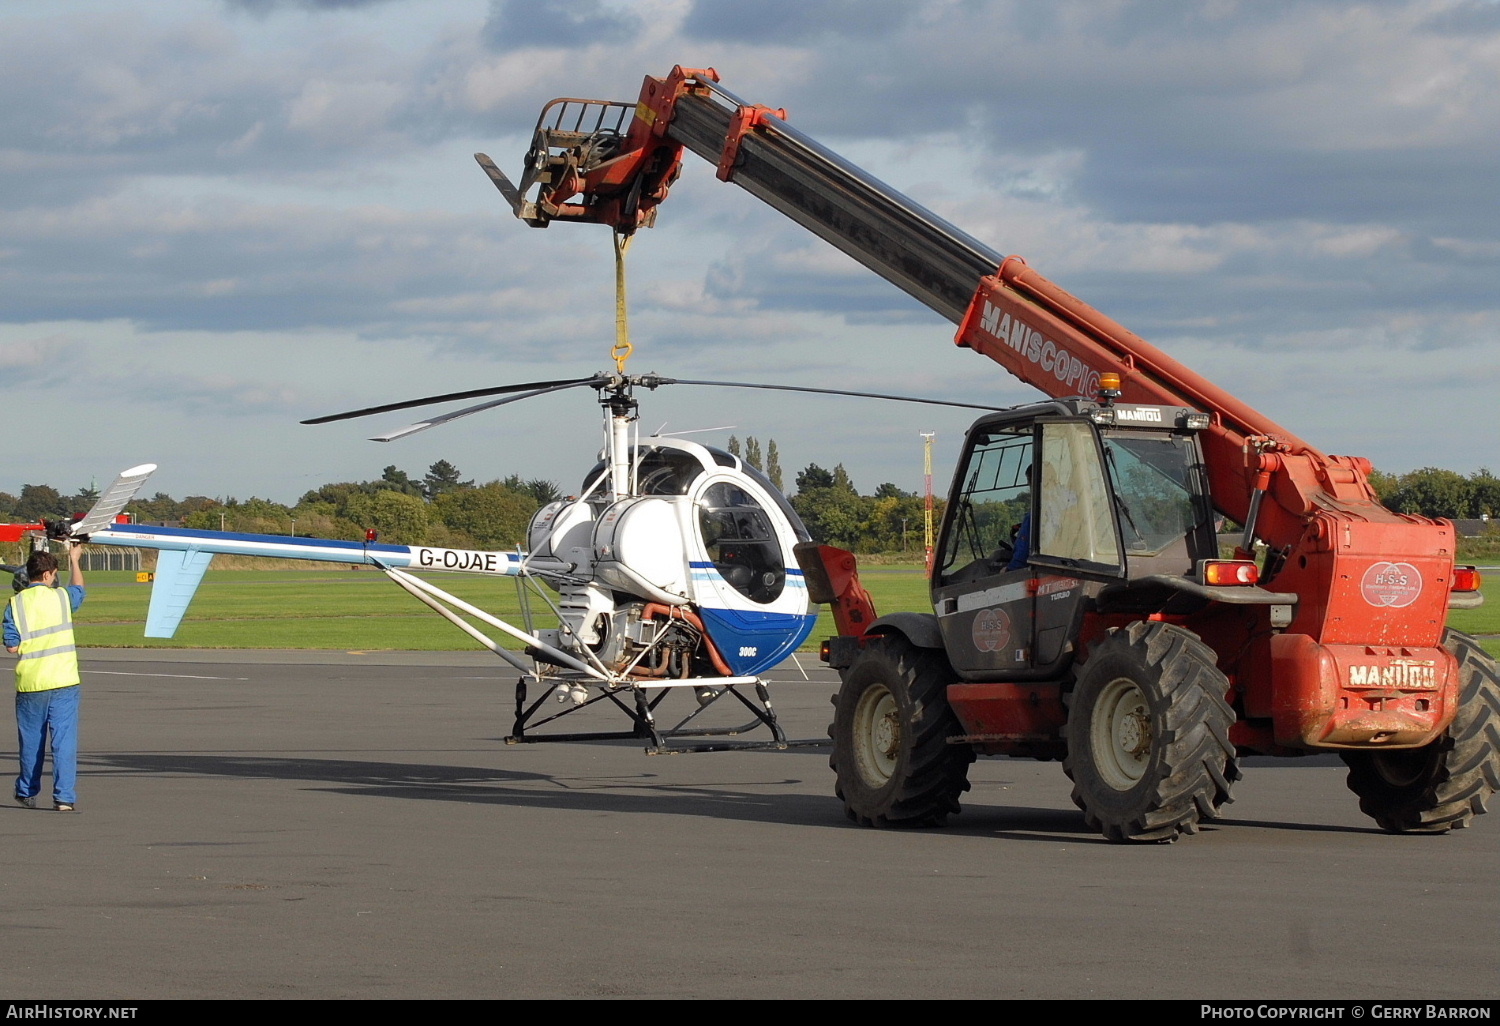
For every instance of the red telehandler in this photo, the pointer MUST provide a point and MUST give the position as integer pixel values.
(1081, 610)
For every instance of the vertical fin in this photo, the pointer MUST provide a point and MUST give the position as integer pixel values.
(177, 577)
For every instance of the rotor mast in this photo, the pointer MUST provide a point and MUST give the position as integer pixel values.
(621, 412)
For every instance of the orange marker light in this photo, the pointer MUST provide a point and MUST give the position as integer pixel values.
(1230, 571)
(1109, 381)
(1466, 578)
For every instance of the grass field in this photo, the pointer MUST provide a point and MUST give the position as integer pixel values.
(352, 610)
(359, 610)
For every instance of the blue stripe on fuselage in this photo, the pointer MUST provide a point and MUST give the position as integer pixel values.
(791, 571)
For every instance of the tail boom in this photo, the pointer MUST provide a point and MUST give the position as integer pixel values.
(187, 552)
(323, 550)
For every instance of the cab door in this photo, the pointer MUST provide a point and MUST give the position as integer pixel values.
(1077, 530)
(1003, 618)
(981, 590)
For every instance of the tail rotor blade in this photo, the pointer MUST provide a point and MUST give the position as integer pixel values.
(114, 499)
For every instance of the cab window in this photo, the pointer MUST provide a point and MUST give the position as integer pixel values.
(994, 499)
(666, 471)
(1155, 487)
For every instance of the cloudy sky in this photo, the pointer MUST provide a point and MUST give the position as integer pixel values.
(219, 217)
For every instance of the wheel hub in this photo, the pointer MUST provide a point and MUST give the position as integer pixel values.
(1404, 768)
(877, 735)
(1121, 734)
(887, 736)
(1133, 734)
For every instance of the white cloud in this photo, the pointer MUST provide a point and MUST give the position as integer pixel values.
(22, 357)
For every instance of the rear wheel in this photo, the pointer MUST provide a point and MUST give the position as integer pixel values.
(1148, 734)
(1444, 785)
(891, 759)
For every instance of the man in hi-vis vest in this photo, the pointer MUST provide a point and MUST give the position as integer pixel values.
(38, 626)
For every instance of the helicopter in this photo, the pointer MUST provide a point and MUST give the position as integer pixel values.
(673, 568)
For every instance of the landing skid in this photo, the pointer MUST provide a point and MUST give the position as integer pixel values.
(641, 710)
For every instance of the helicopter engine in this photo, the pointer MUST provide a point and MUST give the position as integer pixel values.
(654, 640)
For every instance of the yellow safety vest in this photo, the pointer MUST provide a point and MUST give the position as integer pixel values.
(48, 656)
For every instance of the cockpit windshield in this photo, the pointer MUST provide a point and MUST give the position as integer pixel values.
(741, 542)
(667, 471)
(660, 470)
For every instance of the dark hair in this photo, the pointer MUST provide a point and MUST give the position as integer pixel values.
(40, 563)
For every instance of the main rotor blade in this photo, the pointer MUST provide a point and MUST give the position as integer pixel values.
(646, 382)
(423, 425)
(474, 393)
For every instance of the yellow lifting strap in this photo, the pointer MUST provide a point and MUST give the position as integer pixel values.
(623, 348)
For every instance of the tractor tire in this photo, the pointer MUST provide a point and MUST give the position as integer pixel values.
(1444, 785)
(892, 764)
(1148, 734)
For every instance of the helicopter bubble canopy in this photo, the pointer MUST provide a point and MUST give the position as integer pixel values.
(703, 543)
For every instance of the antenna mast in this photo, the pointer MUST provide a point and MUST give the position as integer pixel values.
(927, 437)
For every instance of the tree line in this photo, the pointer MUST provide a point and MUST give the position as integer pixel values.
(441, 508)
(834, 511)
(1434, 492)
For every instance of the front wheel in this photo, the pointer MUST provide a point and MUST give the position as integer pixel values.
(1148, 734)
(891, 759)
(1444, 785)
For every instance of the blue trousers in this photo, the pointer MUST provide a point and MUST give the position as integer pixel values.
(37, 714)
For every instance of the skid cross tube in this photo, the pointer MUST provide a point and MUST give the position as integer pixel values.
(640, 709)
